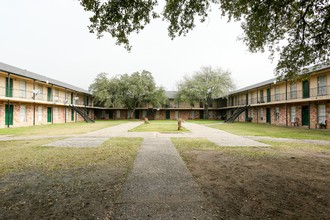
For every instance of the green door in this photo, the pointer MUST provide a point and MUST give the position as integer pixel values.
(72, 115)
(201, 114)
(268, 115)
(71, 98)
(168, 114)
(49, 94)
(246, 114)
(49, 114)
(110, 114)
(305, 89)
(9, 114)
(137, 114)
(9, 88)
(305, 115)
(247, 99)
(268, 95)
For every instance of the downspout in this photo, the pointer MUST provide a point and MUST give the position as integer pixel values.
(8, 108)
(34, 102)
(286, 103)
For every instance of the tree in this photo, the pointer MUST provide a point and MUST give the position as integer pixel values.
(129, 91)
(301, 26)
(204, 86)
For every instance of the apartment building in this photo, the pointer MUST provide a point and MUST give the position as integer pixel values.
(171, 110)
(27, 98)
(304, 102)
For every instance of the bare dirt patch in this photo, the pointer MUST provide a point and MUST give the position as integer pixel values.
(281, 182)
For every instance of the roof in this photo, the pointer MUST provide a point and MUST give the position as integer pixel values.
(171, 94)
(21, 72)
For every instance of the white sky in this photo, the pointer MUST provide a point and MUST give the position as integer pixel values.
(51, 38)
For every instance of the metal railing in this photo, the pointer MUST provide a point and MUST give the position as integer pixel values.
(320, 91)
(36, 95)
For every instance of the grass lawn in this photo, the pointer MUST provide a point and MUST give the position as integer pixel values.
(63, 183)
(205, 121)
(251, 129)
(159, 126)
(60, 129)
(284, 181)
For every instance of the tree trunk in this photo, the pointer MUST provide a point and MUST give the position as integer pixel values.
(132, 113)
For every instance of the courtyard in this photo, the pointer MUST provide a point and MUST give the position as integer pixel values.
(130, 170)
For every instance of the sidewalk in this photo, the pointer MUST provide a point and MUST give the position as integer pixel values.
(160, 186)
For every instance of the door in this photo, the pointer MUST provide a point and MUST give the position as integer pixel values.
(71, 98)
(72, 115)
(268, 119)
(305, 115)
(9, 115)
(137, 114)
(305, 89)
(9, 88)
(201, 114)
(247, 99)
(246, 114)
(49, 114)
(49, 94)
(268, 95)
(168, 114)
(110, 114)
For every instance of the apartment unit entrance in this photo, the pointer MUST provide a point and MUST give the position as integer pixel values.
(268, 118)
(137, 114)
(305, 89)
(305, 115)
(201, 114)
(168, 114)
(49, 114)
(9, 114)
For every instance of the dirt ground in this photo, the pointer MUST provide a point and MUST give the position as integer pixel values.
(264, 183)
(72, 194)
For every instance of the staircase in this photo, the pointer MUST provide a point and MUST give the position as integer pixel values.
(236, 113)
(82, 113)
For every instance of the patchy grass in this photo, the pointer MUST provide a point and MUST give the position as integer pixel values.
(63, 183)
(252, 129)
(261, 183)
(205, 121)
(60, 129)
(156, 126)
(19, 156)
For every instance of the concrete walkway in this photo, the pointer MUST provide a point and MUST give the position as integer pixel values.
(219, 137)
(160, 186)
(95, 138)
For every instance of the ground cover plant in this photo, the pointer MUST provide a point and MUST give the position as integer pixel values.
(160, 126)
(252, 129)
(60, 129)
(284, 181)
(63, 183)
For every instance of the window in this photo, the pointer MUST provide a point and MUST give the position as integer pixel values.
(56, 95)
(22, 89)
(277, 113)
(41, 92)
(277, 93)
(192, 114)
(40, 114)
(261, 98)
(22, 113)
(261, 114)
(67, 114)
(321, 113)
(293, 90)
(157, 114)
(144, 113)
(55, 113)
(321, 85)
(176, 114)
(251, 112)
(293, 114)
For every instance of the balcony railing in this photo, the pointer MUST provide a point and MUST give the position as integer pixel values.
(28, 95)
(321, 91)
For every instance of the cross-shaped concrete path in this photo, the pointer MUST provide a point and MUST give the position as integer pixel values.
(160, 185)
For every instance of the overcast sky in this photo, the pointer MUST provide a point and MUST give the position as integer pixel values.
(51, 38)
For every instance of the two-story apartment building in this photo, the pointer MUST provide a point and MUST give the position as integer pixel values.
(27, 98)
(304, 102)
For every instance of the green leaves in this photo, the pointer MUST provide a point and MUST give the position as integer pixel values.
(129, 91)
(205, 85)
(298, 29)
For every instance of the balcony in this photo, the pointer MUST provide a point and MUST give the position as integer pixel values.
(28, 96)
